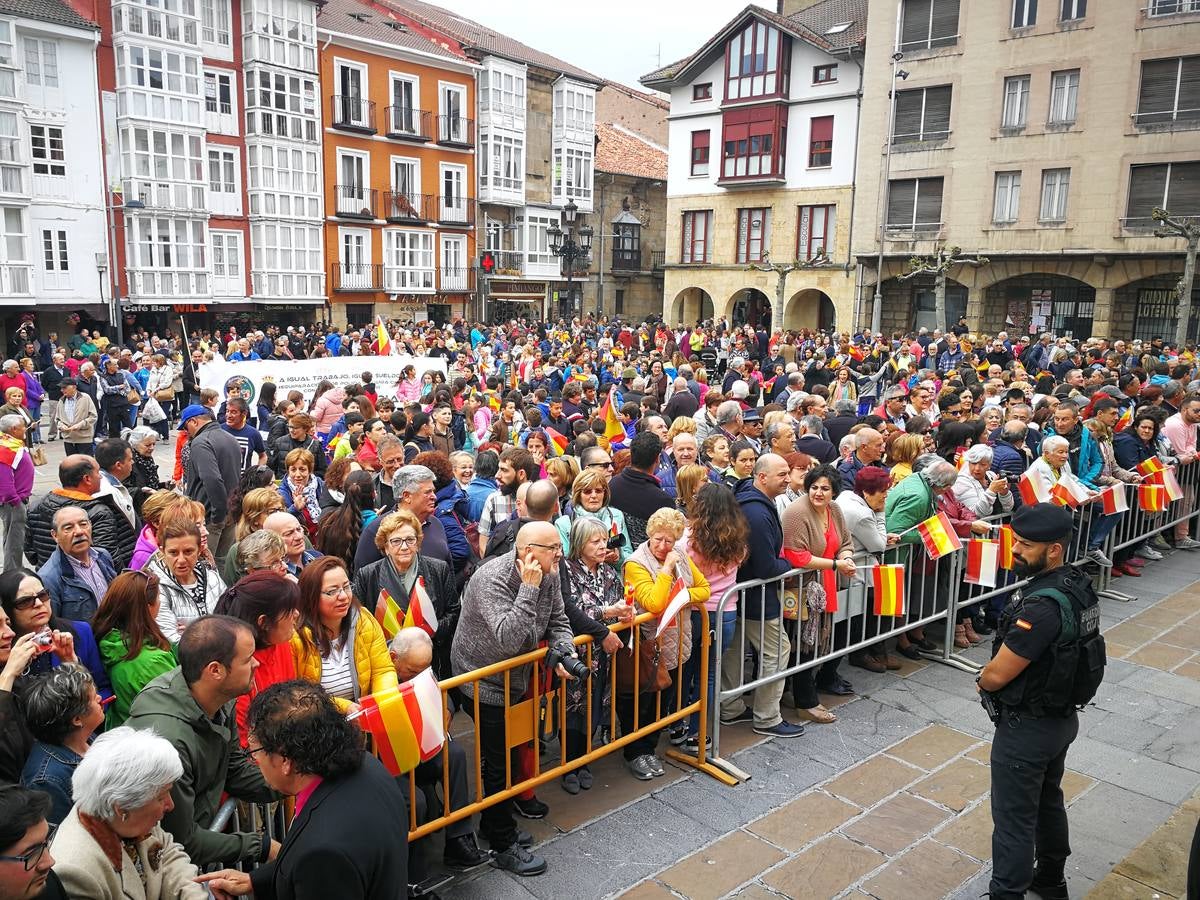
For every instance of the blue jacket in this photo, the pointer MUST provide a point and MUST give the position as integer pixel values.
(1131, 450)
(285, 491)
(949, 360)
(70, 598)
(1008, 460)
(49, 770)
(451, 507)
(764, 560)
(477, 493)
(1090, 461)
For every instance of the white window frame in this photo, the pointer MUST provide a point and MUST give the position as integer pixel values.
(1006, 198)
(408, 261)
(1024, 13)
(502, 93)
(215, 76)
(41, 62)
(360, 160)
(1056, 188)
(280, 32)
(15, 264)
(228, 263)
(178, 96)
(8, 61)
(1015, 113)
(579, 161)
(1064, 97)
(452, 275)
(285, 180)
(354, 259)
(282, 105)
(413, 164)
(398, 123)
(452, 127)
(501, 152)
(53, 159)
(168, 170)
(452, 207)
(167, 256)
(56, 259)
(287, 259)
(1070, 10)
(534, 242)
(357, 105)
(176, 21)
(216, 28)
(225, 193)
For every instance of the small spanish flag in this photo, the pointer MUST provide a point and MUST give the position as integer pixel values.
(388, 614)
(1150, 466)
(937, 534)
(1033, 489)
(1068, 492)
(857, 353)
(960, 457)
(407, 722)
(983, 559)
(888, 582)
(382, 341)
(1125, 421)
(420, 609)
(1166, 478)
(1113, 500)
(613, 531)
(1006, 547)
(1152, 497)
(558, 442)
(613, 429)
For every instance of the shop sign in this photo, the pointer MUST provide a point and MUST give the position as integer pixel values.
(147, 308)
(190, 308)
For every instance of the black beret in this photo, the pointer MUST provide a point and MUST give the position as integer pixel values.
(1042, 523)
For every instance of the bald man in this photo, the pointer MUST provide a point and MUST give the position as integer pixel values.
(511, 604)
(537, 501)
(297, 553)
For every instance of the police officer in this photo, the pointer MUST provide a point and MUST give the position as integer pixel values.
(1032, 687)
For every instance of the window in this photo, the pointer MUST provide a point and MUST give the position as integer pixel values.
(14, 258)
(54, 250)
(8, 59)
(696, 246)
(408, 260)
(702, 91)
(214, 23)
(350, 105)
(163, 169)
(1073, 10)
(1171, 7)
(575, 111)
(405, 117)
(282, 32)
(1170, 91)
(158, 84)
(170, 20)
(927, 24)
(218, 92)
(287, 259)
(406, 177)
(227, 264)
(825, 74)
(452, 100)
(820, 142)
(454, 194)
(816, 231)
(281, 105)
(757, 62)
(627, 245)
(12, 179)
(754, 142)
(222, 171)
(620, 302)
(1016, 102)
(915, 204)
(502, 90)
(502, 162)
(1007, 197)
(1171, 186)
(700, 141)
(534, 242)
(922, 115)
(49, 157)
(1056, 183)
(1064, 97)
(166, 256)
(573, 174)
(1024, 13)
(284, 181)
(41, 62)
(753, 234)
(454, 262)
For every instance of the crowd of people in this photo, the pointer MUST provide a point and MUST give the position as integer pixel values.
(210, 622)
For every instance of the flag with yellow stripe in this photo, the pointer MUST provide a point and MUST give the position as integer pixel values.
(937, 534)
(889, 590)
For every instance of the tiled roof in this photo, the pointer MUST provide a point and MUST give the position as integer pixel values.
(820, 17)
(653, 99)
(369, 21)
(47, 11)
(621, 152)
(473, 35)
(667, 71)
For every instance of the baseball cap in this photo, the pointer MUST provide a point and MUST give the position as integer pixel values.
(192, 411)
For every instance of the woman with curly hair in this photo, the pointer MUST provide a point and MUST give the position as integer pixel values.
(342, 527)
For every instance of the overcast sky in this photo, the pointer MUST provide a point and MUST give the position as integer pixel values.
(618, 39)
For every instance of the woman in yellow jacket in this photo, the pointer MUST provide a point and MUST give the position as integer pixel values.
(338, 645)
(650, 574)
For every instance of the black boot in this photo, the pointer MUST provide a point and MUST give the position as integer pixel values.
(1049, 881)
(463, 853)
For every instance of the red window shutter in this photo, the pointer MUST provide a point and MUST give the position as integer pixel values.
(822, 128)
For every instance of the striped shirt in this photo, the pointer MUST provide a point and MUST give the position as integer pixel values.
(336, 675)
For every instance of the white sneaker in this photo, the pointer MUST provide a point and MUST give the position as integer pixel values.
(1097, 556)
(1147, 552)
(1187, 544)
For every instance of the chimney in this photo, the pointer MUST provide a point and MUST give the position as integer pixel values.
(788, 7)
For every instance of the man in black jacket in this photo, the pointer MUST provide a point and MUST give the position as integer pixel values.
(52, 378)
(215, 466)
(635, 490)
(80, 478)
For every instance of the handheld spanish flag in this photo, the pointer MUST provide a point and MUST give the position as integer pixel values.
(1166, 478)
(1006, 547)
(382, 340)
(960, 457)
(1113, 500)
(420, 609)
(406, 722)
(1068, 491)
(937, 534)
(983, 560)
(857, 353)
(1125, 421)
(388, 614)
(1152, 497)
(676, 600)
(1033, 489)
(1150, 466)
(888, 582)
(558, 442)
(613, 429)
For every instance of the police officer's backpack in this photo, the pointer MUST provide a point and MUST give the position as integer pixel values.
(1079, 657)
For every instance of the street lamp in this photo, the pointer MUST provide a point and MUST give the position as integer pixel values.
(117, 318)
(564, 245)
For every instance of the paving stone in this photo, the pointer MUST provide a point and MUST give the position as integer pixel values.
(928, 870)
(825, 869)
(1159, 656)
(1164, 686)
(1120, 731)
(1179, 745)
(976, 887)
(981, 754)
(719, 868)
(932, 747)
(1157, 617)
(1118, 887)
(1132, 771)
(970, 832)
(875, 724)
(1189, 670)
(1116, 651)
(1074, 784)
(896, 823)
(486, 884)
(754, 891)
(957, 786)
(1161, 861)
(648, 890)
(1186, 635)
(1184, 602)
(803, 820)
(868, 783)
(1132, 634)
(1106, 823)
(959, 710)
(613, 787)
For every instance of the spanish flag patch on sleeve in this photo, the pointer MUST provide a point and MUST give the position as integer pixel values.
(1022, 624)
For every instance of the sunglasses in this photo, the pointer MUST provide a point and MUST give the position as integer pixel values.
(31, 600)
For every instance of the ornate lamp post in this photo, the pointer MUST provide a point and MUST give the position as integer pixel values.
(571, 245)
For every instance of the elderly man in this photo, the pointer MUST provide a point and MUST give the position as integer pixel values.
(52, 378)
(297, 554)
(411, 651)
(811, 442)
(77, 575)
(414, 491)
(729, 420)
(868, 451)
(511, 604)
(213, 470)
(683, 402)
(81, 487)
(684, 452)
(75, 418)
(16, 484)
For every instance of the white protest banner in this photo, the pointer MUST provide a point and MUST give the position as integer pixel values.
(304, 375)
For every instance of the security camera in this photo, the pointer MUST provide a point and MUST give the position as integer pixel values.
(902, 75)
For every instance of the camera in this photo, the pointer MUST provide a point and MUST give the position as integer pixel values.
(615, 542)
(44, 638)
(564, 655)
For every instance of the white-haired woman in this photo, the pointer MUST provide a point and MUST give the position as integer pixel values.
(979, 489)
(111, 845)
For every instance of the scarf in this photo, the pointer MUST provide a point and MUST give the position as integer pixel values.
(12, 450)
(307, 494)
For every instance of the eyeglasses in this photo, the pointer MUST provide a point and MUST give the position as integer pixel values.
(403, 542)
(951, 412)
(557, 547)
(33, 856)
(250, 751)
(27, 602)
(600, 465)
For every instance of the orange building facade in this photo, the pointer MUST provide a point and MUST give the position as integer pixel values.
(399, 169)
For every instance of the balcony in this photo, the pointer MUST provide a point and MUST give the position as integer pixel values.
(456, 279)
(350, 113)
(357, 276)
(400, 207)
(405, 123)
(627, 260)
(355, 201)
(168, 284)
(408, 281)
(167, 195)
(455, 131)
(456, 210)
(658, 259)
(509, 263)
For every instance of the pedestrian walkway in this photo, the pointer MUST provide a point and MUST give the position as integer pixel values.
(891, 800)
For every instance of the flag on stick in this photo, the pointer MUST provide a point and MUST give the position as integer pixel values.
(1166, 478)
(385, 715)
(888, 582)
(423, 698)
(679, 597)
(1125, 421)
(1150, 466)
(1068, 491)
(613, 429)
(558, 442)
(420, 609)
(1006, 547)
(388, 614)
(1033, 489)
(937, 534)
(381, 337)
(1152, 497)
(983, 559)
(1113, 500)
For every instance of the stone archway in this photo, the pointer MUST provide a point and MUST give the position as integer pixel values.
(810, 308)
(692, 305)
(750, 306)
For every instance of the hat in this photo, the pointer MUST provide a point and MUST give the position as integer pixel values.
(751, 415)
(628, 373)
(190, 412)
(1042, 523)
(1112, 391)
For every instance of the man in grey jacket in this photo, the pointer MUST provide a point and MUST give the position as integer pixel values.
(511, 603)
(215, 466)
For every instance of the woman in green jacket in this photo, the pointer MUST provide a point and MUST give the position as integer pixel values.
(132, 646)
